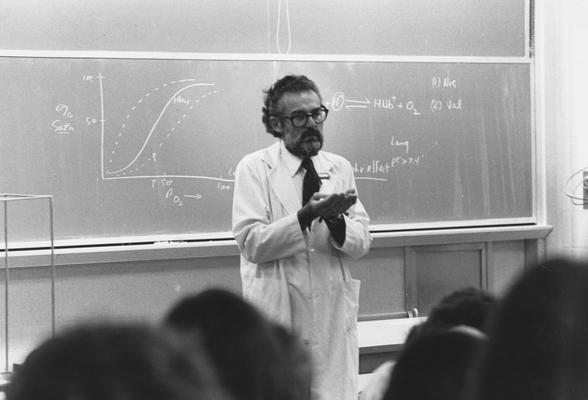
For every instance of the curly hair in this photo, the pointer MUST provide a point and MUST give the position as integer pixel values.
(287, 84)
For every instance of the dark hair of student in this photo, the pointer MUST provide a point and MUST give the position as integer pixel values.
(469, 306)
(108, 361)
(249, 354)
(437, 365)
(538, 347)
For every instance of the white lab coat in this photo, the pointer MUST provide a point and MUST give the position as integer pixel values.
(301, 278)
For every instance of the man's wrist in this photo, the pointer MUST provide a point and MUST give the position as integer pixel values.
(337, 227)
(334, 218)
(305, 217)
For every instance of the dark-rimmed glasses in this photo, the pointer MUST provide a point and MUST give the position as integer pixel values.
(299, 119)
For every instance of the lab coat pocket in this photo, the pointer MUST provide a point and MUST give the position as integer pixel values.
(271, 297)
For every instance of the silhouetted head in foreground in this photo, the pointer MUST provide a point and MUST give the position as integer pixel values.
(538, 338)
(107, 361)
(255, 359)
(468, 306)
(436, 365)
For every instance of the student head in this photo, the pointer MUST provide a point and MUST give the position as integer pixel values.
(538, 338)
(107, 361)
(293, 111)
(248, 351)
(467, 306)
(436, 365)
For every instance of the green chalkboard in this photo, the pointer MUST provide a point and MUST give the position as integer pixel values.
(136, 148)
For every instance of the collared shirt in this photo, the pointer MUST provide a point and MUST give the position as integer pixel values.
(294, 165)
(297, 172)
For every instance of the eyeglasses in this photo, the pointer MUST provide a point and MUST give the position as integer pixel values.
(300, 119)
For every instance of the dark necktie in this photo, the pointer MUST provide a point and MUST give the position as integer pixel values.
(311, 183)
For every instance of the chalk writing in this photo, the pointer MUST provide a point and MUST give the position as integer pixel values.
(339, 101)
(223, 186)
(181, 100)
(357, 103)
(395, 142)
(166, 185)
(63, 125)
(454, 104)
(392, 103)
(438, 105)
(64, 110)
(384, 167)
(91, 121)
(443, 82)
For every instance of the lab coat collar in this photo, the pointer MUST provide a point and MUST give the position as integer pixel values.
(292, 162)
(280, 174)
(279, 178)
(322, 162)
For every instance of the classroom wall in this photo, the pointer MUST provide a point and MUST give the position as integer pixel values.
(399, 273)
(395, 276)
(562, 103)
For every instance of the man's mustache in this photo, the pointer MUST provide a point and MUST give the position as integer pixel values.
(311, 133)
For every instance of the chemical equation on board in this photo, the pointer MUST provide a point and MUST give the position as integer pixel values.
(339, 102)
(445, 101)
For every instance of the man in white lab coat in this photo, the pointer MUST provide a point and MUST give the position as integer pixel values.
(295, 251)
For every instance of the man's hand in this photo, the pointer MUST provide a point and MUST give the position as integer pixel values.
(326, 206)
(331, 205)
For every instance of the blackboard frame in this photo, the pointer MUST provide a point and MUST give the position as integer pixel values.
(377, 227)
(131, 48)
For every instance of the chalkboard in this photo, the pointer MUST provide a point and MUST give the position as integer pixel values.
(136, 148)
(384, 27)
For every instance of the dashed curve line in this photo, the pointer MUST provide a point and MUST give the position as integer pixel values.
(172, 130)
(155, 124)
(134, 107)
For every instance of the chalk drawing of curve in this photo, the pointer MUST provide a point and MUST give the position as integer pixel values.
(133, 165)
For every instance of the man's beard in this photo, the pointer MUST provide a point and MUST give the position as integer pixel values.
(308, 145)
